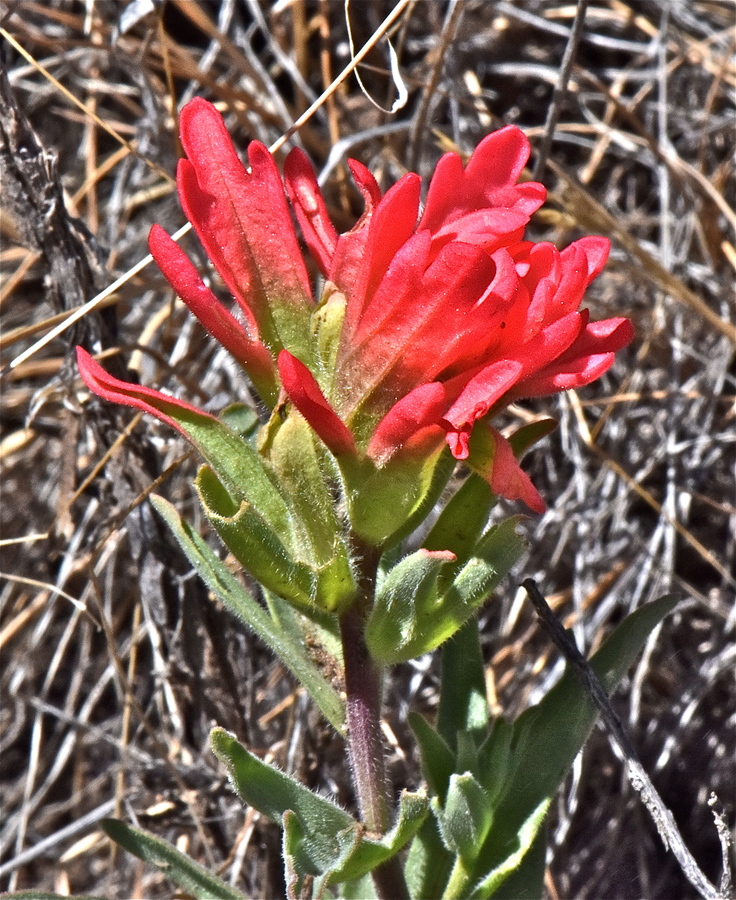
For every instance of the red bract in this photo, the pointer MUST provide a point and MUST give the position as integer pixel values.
(429, 321)
(449, 315)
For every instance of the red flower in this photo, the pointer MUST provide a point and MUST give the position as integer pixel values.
(428, 323)
(449, 315)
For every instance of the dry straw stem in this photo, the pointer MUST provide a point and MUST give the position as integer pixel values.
(639, 478)
(663, 818)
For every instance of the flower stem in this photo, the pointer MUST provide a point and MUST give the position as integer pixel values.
(364, 690)
(458, 883)
(364, 687)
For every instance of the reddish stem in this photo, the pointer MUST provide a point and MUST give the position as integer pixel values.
(364, 690)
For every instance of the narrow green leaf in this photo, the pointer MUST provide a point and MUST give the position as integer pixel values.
(370, 852)
(528, 435)
(361, 889)
(526, 880)
(463, 703)
(386, 504)
(306, 474)
(309, 627)
(466, 816)
(493, 758)
(564, 718)
(293, 456)
(242, 419)
(467, 587)
(404, 616)
(241, 603)
(438, 761)
(253, 543)
(273, 793)
(513, 855)
(466, 758)
(419, 605)
(435, 480)
(461, 522)
(182, 870)
(238, 466)
(304, 858)
(428, 863)
(325, 841)
(547, 738)
(461, 593)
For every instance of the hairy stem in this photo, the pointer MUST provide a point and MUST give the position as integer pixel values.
(364, 690)
(364, 687)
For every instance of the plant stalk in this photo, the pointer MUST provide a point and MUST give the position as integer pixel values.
(364, 691)
(458, 884)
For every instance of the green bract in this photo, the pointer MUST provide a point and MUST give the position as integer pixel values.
(426, 598)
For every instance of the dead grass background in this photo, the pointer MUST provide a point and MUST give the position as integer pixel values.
(115, 663)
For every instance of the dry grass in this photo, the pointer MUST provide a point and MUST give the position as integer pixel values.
(115, 663)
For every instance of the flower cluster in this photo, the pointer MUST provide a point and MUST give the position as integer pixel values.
(429, 322)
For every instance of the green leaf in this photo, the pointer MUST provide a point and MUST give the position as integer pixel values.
(514, 855)
(434, 479)
(322, 840)
(386, 504)
(419, 607)
(547, 738)
(242, 419)
(273, 793)
(466, 816)
(239, 601)
(253, 543)
(462, 521)
(182, 870)
(528, 435)
(404, 615)
(467, 751)
(294, 458)
(371, 852)
(304, 859)
(309, 627)
(305, 476)
(493, 758)
(491, 560)
(526, 880)
(564, 718)
(438, 761)
(238, 466)
(361, 889)
(428, 863)
(327, 325)
(493, 557)
(463, 703)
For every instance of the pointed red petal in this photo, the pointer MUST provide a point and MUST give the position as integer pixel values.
(309, 206)
(365, 252)
(588, 358)
(479, 395)
(596, 251)
(182, 275)
(146, 399)
(420, 409)
(489, 180)
(492, 457)
(241, 218)
(306, 395)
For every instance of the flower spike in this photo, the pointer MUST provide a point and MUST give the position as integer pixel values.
(428, 325)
